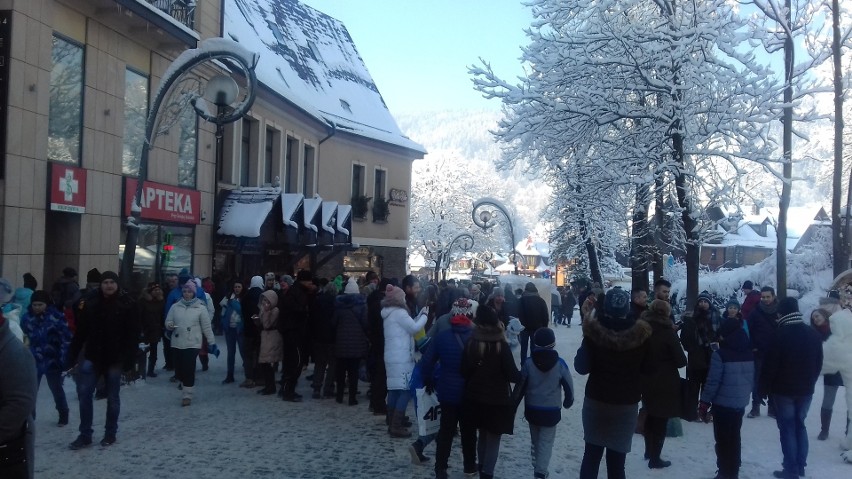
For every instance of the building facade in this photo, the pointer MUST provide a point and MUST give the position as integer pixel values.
(76, 86)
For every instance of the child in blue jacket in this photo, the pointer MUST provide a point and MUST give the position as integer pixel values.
(542, 376)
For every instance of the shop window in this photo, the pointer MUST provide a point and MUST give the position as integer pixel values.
(187, 148)
(269, 159)
(65, 120)
(135, 115)
(161, 249)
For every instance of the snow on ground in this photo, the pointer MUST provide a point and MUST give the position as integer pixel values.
(230, 432)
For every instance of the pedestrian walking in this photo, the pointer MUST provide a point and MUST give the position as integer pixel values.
(233, 326)
(105, 344)
(18, 392)
(488, 369)
(545, 385)
(271, 343)
(49, 339)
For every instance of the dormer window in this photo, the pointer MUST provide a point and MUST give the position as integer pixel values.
(345, 105)
(314, 50)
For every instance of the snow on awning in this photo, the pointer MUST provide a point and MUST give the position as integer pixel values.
(312, 213)
(329, 216)
(245, 210)
(506, 267)
(344, 213)
(290, 204)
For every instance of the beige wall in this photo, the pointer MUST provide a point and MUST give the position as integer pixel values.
(89, 240)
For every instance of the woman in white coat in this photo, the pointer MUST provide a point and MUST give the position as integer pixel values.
(188, 320)
(399, 330)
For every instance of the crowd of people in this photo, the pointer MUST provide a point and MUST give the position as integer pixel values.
(458, 342)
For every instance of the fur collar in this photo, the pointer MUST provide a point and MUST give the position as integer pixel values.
(489, 334)
(624, 340)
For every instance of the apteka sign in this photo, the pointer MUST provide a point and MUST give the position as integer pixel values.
(164, 202)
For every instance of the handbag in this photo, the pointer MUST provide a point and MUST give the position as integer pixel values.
(428, 413)
(14, 452)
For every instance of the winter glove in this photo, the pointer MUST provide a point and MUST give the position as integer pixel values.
(213, 349)
(704, 411)
(568, 401)
(429, 387)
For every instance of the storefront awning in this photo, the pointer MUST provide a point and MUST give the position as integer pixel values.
(329, 216)
(291, 205)
(245, 210)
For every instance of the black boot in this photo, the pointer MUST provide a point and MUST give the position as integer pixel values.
(825, 419)
(63, 418)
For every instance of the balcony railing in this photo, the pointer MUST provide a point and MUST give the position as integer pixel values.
(181, 10)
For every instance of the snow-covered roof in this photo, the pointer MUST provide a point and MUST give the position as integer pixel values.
(309, 58)
(529, 247)
(245, 210)
(799, 218)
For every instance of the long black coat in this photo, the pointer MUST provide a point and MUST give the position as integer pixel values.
(350, 319)
(661, 387)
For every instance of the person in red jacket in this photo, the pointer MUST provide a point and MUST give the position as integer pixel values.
(752, 298)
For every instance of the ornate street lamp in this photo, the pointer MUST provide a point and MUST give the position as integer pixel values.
(182, 86)
(484, 219)
(465, 243)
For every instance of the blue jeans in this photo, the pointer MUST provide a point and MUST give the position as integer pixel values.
(790, 413)
(54, 382)
(234, 341)
(87, 379)
(398, 399)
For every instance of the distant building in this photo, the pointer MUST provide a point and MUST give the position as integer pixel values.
(742, 240)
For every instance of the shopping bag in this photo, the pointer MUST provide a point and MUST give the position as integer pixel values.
(428, 413)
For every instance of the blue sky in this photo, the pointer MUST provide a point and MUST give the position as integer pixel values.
(418, 51)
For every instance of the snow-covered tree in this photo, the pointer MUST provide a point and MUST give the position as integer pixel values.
(640, 91)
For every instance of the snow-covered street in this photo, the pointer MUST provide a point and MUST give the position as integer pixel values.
(230, 432)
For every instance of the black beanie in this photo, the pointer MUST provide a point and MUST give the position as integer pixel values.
(30, 281)
(109, 275)
(788, 305)
(93, 276)
(40, 296)
(544, 338)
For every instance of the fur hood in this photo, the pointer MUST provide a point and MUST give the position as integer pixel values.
(656, 318)
(623, 340)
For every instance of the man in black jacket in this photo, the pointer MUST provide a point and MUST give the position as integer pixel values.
(761, 327)
(296, 307)
(105, 344)
(533, 314)
(792, 367)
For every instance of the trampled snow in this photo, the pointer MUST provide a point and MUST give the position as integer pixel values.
(229, 432)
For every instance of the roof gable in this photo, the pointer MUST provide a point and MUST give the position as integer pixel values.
(309, 58)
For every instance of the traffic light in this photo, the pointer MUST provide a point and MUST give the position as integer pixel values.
(168, 247)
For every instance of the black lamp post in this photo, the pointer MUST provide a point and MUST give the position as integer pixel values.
(484, 220)
(182, 85)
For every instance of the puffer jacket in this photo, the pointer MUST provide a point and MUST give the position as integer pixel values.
(188, 322)
(271, 342)
(838, 358)
(730, 381)
(399, 329)
(350, 320)
(544, 378)
(18, 388)
(446, 350)
(49, 338)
